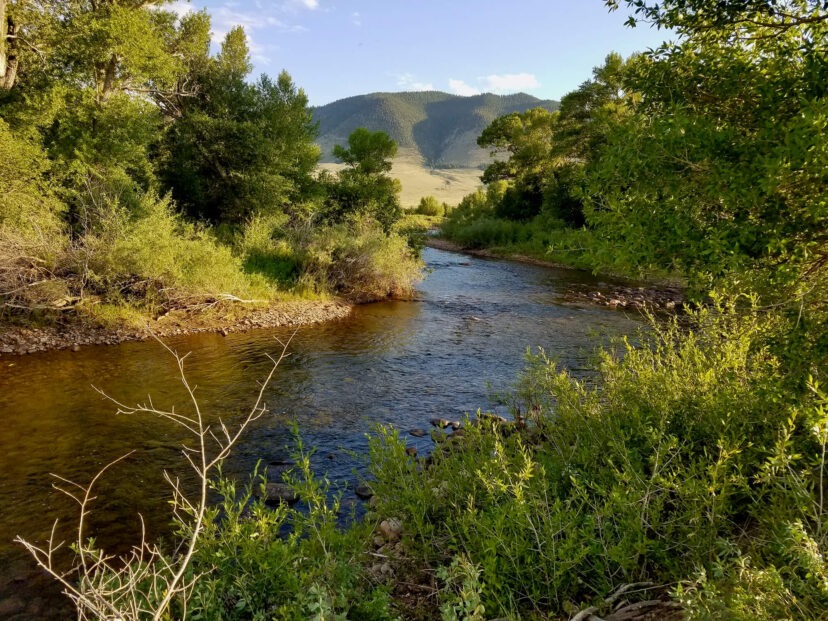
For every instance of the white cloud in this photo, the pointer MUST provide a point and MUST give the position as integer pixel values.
(179, 7)
(500, 84)
(309, 4)
(408, 82)
(356, 19)
(226, 17)
(509, 82)
(458, 87)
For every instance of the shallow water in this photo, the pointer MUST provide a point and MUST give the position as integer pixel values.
(401, 363)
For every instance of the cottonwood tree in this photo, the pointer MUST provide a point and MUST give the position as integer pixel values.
(364, 187)
(237, 148)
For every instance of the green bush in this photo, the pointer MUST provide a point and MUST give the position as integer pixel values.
(171, 256)
(277, 562)
(358, 260)
(692, 463)
(430, 206)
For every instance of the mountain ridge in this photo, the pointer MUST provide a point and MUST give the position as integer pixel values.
(441, 128)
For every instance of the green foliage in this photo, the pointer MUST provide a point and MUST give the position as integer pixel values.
(277, 562)
(368, 153)
(158, 247)
(527, 139)
(240, 149)
(430, 206)
(363, 189)
(358, 260)
(693, 462)
(268, 251)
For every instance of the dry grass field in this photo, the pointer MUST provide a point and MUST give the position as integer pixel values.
(446, 184)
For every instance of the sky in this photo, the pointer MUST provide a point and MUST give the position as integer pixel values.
(339, 48)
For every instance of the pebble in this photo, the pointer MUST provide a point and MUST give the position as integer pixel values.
(17, 340)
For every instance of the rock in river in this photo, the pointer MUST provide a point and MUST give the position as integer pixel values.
(364, 491)
(280, 492)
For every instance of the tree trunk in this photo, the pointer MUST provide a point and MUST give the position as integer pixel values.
(109, 78)
(3, 35)
(8, 57)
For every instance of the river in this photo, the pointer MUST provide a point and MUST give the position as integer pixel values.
(401, 363)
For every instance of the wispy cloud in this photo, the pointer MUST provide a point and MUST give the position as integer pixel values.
(260, 15)
(458, 87)
(356, 19)
(495, 83)
(264, 17)
(509, 82)
(408, 82)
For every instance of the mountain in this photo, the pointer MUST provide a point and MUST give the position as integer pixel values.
(436, 134)
(439, 127)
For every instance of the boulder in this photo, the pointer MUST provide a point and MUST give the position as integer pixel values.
(364, 491)
(390, 529)
(276, 493)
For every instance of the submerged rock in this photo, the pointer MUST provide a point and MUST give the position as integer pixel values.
(276, 493)
(364, 491)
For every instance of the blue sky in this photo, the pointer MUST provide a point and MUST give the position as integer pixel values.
(339, 48)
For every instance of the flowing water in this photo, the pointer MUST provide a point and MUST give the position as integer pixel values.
(398, 363)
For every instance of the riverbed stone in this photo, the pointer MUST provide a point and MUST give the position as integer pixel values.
(440, 423)
(364, 491)
(276, 493)
(418, 433)
(391, 529)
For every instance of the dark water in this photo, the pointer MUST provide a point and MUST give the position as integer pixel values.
(395, 362)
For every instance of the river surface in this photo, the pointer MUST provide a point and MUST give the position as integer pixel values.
(402, 363)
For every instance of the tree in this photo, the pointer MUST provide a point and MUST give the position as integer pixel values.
(526, 138)
(585, 118)
(722, 166)
(368, 153)
(363, 188)
(239, 148)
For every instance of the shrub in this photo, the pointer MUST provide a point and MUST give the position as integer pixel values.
(692, 463)
(360, 261)
(430, 206)
(278, 562)
(156, 251)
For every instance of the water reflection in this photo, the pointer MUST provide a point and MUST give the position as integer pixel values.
(397, 362)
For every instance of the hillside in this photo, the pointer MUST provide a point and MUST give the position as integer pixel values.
(436, 133)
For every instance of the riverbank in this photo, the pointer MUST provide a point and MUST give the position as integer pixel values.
(73, 335)
(658, 297)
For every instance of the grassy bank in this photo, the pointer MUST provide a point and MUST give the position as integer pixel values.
(131, 271)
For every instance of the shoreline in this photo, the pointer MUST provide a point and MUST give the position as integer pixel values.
(438, 243)
(18, 340)
(648, 297)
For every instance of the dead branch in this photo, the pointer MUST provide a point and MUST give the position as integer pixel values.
(144, 583)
